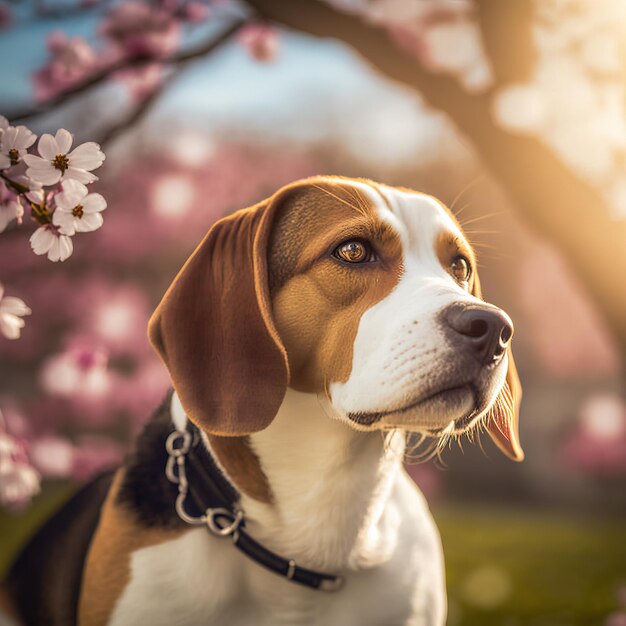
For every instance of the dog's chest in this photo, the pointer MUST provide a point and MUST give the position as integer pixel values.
(198, 580)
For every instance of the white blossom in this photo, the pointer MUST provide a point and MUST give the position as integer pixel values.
(49, 240)
(10, 208)
(14, 143)
(78, 211)
(520, 108)
(9, 211)
(19, 482)
(58, 163)
(12, 310)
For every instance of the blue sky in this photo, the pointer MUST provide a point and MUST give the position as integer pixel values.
(315, 89)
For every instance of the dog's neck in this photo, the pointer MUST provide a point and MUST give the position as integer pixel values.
(330, 486)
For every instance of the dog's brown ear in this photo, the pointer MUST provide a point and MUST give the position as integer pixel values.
(214, 330)
(503, 419)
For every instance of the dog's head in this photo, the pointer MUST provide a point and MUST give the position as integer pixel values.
(365, 294)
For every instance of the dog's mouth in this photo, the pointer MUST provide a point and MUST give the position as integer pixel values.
(456, 400)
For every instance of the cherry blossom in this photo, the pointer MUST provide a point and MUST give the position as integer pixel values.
(78, 211)
(57, 162)
(12, 310)
(50, 240)
(72, 60)
(10, 207)
(196, 12)
(19, 481)
(139, 29)
(14, 142)
(53, 456)
(81, 370)
(260, 41)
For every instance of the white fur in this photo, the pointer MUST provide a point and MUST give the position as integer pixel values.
(343, 504)
(400, 350)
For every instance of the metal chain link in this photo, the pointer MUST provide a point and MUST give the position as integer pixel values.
(178, 445)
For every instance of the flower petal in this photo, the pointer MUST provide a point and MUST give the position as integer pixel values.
(33, 160)
(64, 140)
(65, 221)
(82, 176)
(45, 176)
(42, 240)
(23, 138)
(89, 222)
(10, 325)
(48, 147)
(14, 306)
(93, 203)
(35, 196)
(4, 161)
(87, 156)
(8, 138)
(72, 194)
(63, 250)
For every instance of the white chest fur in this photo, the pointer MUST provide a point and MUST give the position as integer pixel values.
(342, 504)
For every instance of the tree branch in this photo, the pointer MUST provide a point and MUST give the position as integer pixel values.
(542, 187)
(135, 62)
(140, 110)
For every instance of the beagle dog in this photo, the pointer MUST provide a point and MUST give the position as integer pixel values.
(306, 337)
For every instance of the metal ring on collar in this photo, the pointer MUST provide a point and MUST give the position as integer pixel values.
(173, 437)
(223, 531)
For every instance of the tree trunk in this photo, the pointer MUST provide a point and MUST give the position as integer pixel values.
(552, 199)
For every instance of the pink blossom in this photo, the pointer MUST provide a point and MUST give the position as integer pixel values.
(49, 240)
(72, 60)
(80, 371)
(53, 456)
(260, 41)
(19, 481)
(118, 317)
(141, 81)
(10, 207)
(12, 310)
(597, 445)
(94, 454)
(196, 12)
(57, 163)
(139, 29)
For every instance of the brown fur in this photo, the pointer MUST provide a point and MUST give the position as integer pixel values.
(242, 466)
(107, 568)
(217, 328)
(318, 300)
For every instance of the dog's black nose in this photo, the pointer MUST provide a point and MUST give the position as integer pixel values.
(486, 331)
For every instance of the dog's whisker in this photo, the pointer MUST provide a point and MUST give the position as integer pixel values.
(480, 218)
(339, 199)
(465, 189)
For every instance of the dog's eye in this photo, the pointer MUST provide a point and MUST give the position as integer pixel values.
(354, 251)
(461, 268)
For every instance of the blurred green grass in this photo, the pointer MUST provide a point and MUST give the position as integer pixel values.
(505, 566)
(510, 567)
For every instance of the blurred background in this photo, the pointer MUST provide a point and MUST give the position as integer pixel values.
(513, 113)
